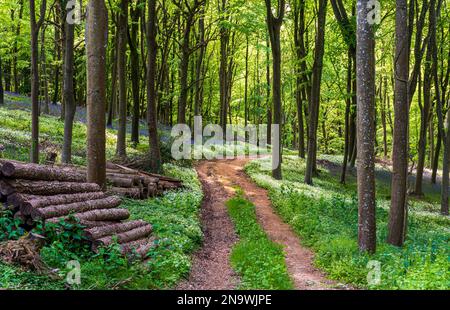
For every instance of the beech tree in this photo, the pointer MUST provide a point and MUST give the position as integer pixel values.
(365, 80)
(68, 91)
(274, 24)
(96, 42)
(35, 27)
(121, 75)
(399, 204)
(315, 92)
(155, 156)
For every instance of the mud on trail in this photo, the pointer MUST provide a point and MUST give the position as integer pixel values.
(211, 265)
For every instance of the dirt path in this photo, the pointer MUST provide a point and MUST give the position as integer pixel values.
(211, 268)
(211, 265)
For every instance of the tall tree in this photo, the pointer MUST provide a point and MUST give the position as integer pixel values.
(2, 95)
(155, 156)
(133, 32)
(96, 43)
(315, 91)
(35, 26)
(68, 91)
(365, 77)
(121, 150)
(398, 212)
(274, 24)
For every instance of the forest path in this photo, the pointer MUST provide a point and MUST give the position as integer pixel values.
(211, 268)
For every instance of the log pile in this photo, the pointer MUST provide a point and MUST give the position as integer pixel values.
(54, 180)
(51, 193)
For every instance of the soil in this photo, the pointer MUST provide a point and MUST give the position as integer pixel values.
(211, 268)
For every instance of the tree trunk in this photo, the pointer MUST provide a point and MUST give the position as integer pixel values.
(135, 71)
(44, 76)
(365, 76)
(315, 92)
(446, 169)
(122, 77)
(35, 27)
(399, 203)
(68, 89)
(96, 42)
(2, 95)
(155, 155)
(274, 25)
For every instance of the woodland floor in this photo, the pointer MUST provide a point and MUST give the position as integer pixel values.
(211, 268)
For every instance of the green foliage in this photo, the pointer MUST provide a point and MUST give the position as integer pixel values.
(9, 226)
(259, 261)
(326, 218)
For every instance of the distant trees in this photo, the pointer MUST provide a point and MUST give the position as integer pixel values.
(96, 42)
(365, 80)
(274, 24)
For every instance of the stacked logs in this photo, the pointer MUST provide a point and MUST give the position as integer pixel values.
(51, 194)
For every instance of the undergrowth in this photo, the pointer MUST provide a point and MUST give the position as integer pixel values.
(325, 217)
(259, 261)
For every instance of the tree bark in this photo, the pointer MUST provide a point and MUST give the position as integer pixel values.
(69, 97)
(155, 154)
(121, 72)
(315, 92)
(39, 172)
(102, 215)
(44, 201)
(35, 27)
(365, 76)
(103, 231)
(399, 203)
(76, 207)
(96, 42)
(135, 69)
(125, 237)
(49, 187)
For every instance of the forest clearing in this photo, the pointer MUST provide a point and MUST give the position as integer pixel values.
(226, 145)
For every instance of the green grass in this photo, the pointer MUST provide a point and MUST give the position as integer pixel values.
(259, 261)
(15, 135)
(325, 218)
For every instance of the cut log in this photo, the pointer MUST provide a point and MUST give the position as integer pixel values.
(100, 232)
(6, 189)
(149, 180)
(121, 182)
(133, 193)
(77, 207)
(102, 215)
(140, 247)
(124, 237)
(134, 177)
(18, 199)
(40, 172)
(50, 187)
(45, 201)
(92, 224)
